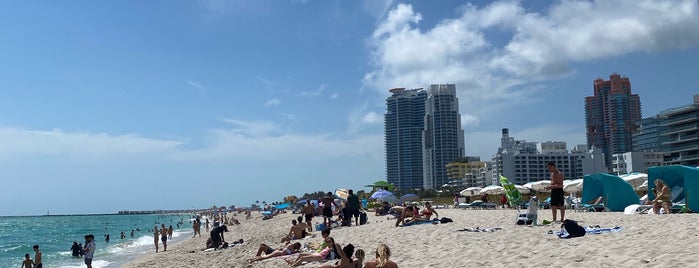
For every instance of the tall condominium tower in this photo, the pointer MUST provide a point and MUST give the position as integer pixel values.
(442, 138)
(611, 116)
(404, 122)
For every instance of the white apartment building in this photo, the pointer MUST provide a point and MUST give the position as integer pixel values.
(630, 162)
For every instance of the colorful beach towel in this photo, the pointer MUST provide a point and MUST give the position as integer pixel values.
(480, 230)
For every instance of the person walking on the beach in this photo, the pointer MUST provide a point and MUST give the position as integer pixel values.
(27, 262)
(169, 232)
(328, 202)
(155, 237)
(352, 208)
(163, 236)
(307, 212)
(196, 225)
(89, 249)
(37, 257)
(557, 193)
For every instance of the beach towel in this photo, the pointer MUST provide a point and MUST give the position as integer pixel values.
(411, 223)
(589, 230)
(480, 230)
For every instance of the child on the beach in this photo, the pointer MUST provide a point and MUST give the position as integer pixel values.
(27, 262)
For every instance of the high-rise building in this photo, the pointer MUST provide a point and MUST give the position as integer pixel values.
(404, 122)
(612, 115)
(647, 139)
(630, 162)
(680, 136)
(443, 138)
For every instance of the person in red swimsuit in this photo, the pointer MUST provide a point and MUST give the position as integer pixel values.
(428, 211)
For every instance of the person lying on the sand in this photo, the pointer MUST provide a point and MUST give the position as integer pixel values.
(383, 253)
(314, 256)
(288, 250)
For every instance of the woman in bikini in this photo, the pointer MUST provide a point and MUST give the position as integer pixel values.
(346, 260)
(288, 250)
(428, 211)
(156, 234)
(662, 199)
(315, 256)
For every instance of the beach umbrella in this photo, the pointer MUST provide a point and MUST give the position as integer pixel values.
(384, 196)
(522, 189)
(408, 197)
(492, 189)
(538, 186)
(470, 191)
(635, 180)
(282, 206)
(573, 186)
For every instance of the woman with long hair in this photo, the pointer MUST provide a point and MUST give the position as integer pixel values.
(383, 253)
(662, 197)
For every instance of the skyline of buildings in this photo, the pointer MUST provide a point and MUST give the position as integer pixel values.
(425, 142)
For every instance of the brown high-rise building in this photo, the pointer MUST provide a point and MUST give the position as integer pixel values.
(611, 116)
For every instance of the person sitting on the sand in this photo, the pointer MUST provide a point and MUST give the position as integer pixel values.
(271, 253)
(346, 260)
(428, 211)
(406, 213)
(662, 197)
(381, 260)
(314, 256)
(295, 232)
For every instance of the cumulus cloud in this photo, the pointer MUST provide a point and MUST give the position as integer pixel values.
(469, 120)
(372, 118)
(334, 96)
(314, 93)
(469, 49)
(272, 102)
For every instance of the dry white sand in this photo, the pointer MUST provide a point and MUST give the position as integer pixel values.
(646, 241)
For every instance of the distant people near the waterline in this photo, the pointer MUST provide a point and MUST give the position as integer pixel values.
(163, 236)
(169, 232)
(106, 238)
(196, 225)
(155, 237)
(89, 249)
(37, 257)
(75, 249)
(27, 262)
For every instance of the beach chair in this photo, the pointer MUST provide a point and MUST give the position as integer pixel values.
(528, 217)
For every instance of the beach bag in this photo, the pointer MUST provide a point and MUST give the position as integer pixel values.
(362, 218)
(445, 220)
(573, 229)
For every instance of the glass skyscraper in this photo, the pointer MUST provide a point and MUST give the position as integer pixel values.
(423, 134)
(404, 122)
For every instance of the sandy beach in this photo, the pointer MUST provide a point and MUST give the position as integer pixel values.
(645, 241)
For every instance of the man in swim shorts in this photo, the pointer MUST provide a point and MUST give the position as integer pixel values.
(328, 202)
(556, 187)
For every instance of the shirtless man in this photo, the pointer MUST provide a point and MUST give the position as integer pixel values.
(328, 201)
(296, 231)
(405, 213)
(307, 212)
(304, 226)
(163, 236)
(556, 188)
(37, 257)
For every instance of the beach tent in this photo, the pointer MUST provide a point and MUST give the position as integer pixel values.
(616, 193)
(682, 180)
(380, 185)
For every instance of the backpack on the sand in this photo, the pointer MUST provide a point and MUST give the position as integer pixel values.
(573, 229)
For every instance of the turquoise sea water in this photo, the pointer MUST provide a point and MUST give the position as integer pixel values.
(55, 236)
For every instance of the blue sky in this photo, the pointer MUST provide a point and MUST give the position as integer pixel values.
(135, 105)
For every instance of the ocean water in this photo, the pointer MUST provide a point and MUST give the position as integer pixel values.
(55, 236)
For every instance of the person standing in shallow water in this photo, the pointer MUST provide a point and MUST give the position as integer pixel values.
(37, 257)
(89, 249)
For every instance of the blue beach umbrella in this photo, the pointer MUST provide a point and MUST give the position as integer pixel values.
(408, 197)
(384, 195)
(282, 206)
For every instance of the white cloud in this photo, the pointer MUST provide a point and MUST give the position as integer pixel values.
(272, 102)
(314, 93)
(490, 71)
(469, 120)
(199, 87)
(15, 142)
(334, 96)
(372, 118)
